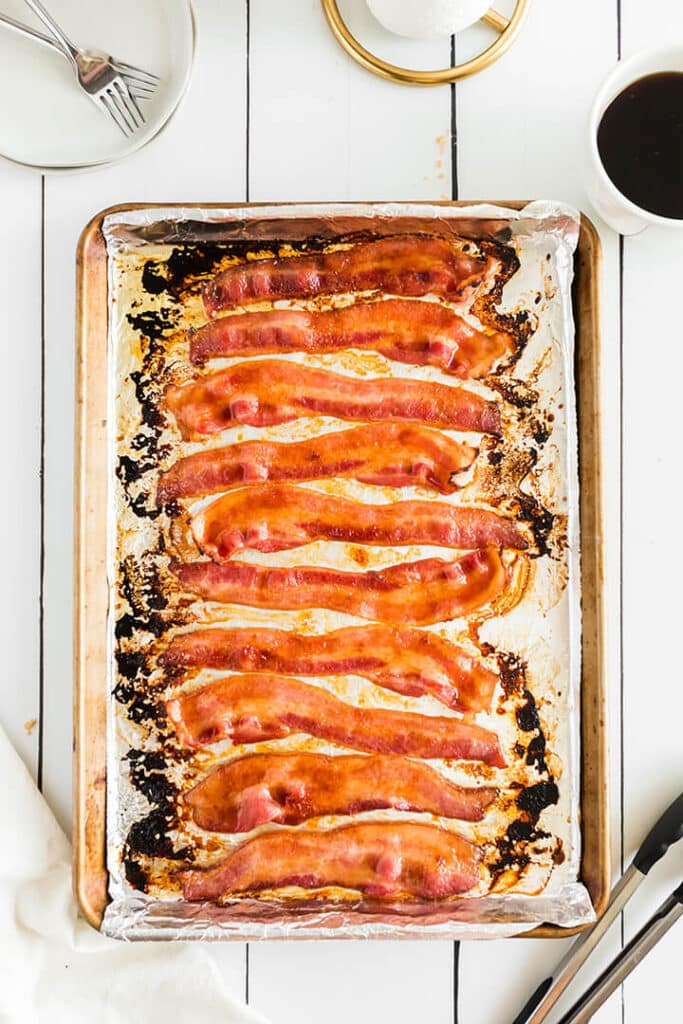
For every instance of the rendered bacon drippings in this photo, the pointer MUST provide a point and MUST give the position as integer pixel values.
(419, 333)
(389, 454)
(252, 708)
(411, 265)
(412, 662)
(273, 391)
(291, 788)
(275, 517)
(411, 593)
(382, 859)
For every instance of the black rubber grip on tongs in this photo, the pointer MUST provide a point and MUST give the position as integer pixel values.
(667, 831)
(532, 1002)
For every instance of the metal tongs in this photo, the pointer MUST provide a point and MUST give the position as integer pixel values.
(668, 830)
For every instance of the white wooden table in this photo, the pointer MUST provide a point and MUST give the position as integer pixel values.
(276, 111)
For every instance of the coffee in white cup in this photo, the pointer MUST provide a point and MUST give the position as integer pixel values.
(636, 143)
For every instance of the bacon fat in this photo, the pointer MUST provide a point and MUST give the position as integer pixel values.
(418, 333)
(291, 788)
(381, 859)
(272, 391)
(410, 265)
(412, 662)
(275, 517)
(252, 708)
(411, 593)
(388, 454)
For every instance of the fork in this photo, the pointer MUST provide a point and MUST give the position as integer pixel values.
(97, 76)
(141, 83)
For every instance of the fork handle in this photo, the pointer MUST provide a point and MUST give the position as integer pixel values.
(28, 31)
(61, 39)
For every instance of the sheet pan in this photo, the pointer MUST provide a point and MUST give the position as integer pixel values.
(95, 503)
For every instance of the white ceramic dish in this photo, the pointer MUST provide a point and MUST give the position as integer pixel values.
(46, 123)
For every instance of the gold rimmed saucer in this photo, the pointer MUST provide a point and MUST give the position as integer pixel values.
(507, 29)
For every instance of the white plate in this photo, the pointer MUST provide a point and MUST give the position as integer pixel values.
(46, 122)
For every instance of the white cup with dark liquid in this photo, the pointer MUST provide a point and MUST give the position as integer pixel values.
(636, 143)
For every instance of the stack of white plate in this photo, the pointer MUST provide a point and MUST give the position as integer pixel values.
(46, 122)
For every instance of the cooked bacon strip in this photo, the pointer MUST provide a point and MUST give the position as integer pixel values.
(400, 265)
(248, 709)
(275, 517)
(411, 593)
(408, 661)
(382, 859)
(290, 788)
(420, 333)
(389, 454)
(273, 391)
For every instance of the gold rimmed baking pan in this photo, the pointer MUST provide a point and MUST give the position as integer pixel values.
(92, 589)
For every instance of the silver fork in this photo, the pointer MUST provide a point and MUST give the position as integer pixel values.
(103, 83)
(142, 84)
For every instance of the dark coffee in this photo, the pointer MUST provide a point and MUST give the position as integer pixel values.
(640, 141)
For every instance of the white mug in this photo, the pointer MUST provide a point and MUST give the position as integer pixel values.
(620, 213)
(427, 19)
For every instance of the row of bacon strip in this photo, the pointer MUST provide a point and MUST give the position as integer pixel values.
(394, 447)
(274, 517)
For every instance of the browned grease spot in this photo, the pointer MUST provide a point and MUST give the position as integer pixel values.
(359, 555)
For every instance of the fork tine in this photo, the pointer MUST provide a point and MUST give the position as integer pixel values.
(136, 88)
(140, 92)
(131, 70)
(133, 76)
(124, 87)
(105, 100)
(121, 97)
(120, 107)
(130, 76)
(130, 101)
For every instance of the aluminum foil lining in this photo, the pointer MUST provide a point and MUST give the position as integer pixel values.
(146, 322)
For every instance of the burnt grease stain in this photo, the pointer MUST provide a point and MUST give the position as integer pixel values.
(525, 400)
(541, 522)
(128, 623)
(149, 836)
(513, 677)
(130, 664)
(149, 383)
(141, 708)
(536, 798)
(135, 874)
(508, 469)
(142, 587)
(512, 850)
(512, 671)
(149, 614)
(142, 584)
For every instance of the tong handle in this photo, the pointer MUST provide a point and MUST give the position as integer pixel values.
(667, 831)
(534, 1001)
(664, 833)
(631, 955)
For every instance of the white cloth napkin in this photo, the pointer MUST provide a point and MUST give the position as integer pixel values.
(55, 968)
